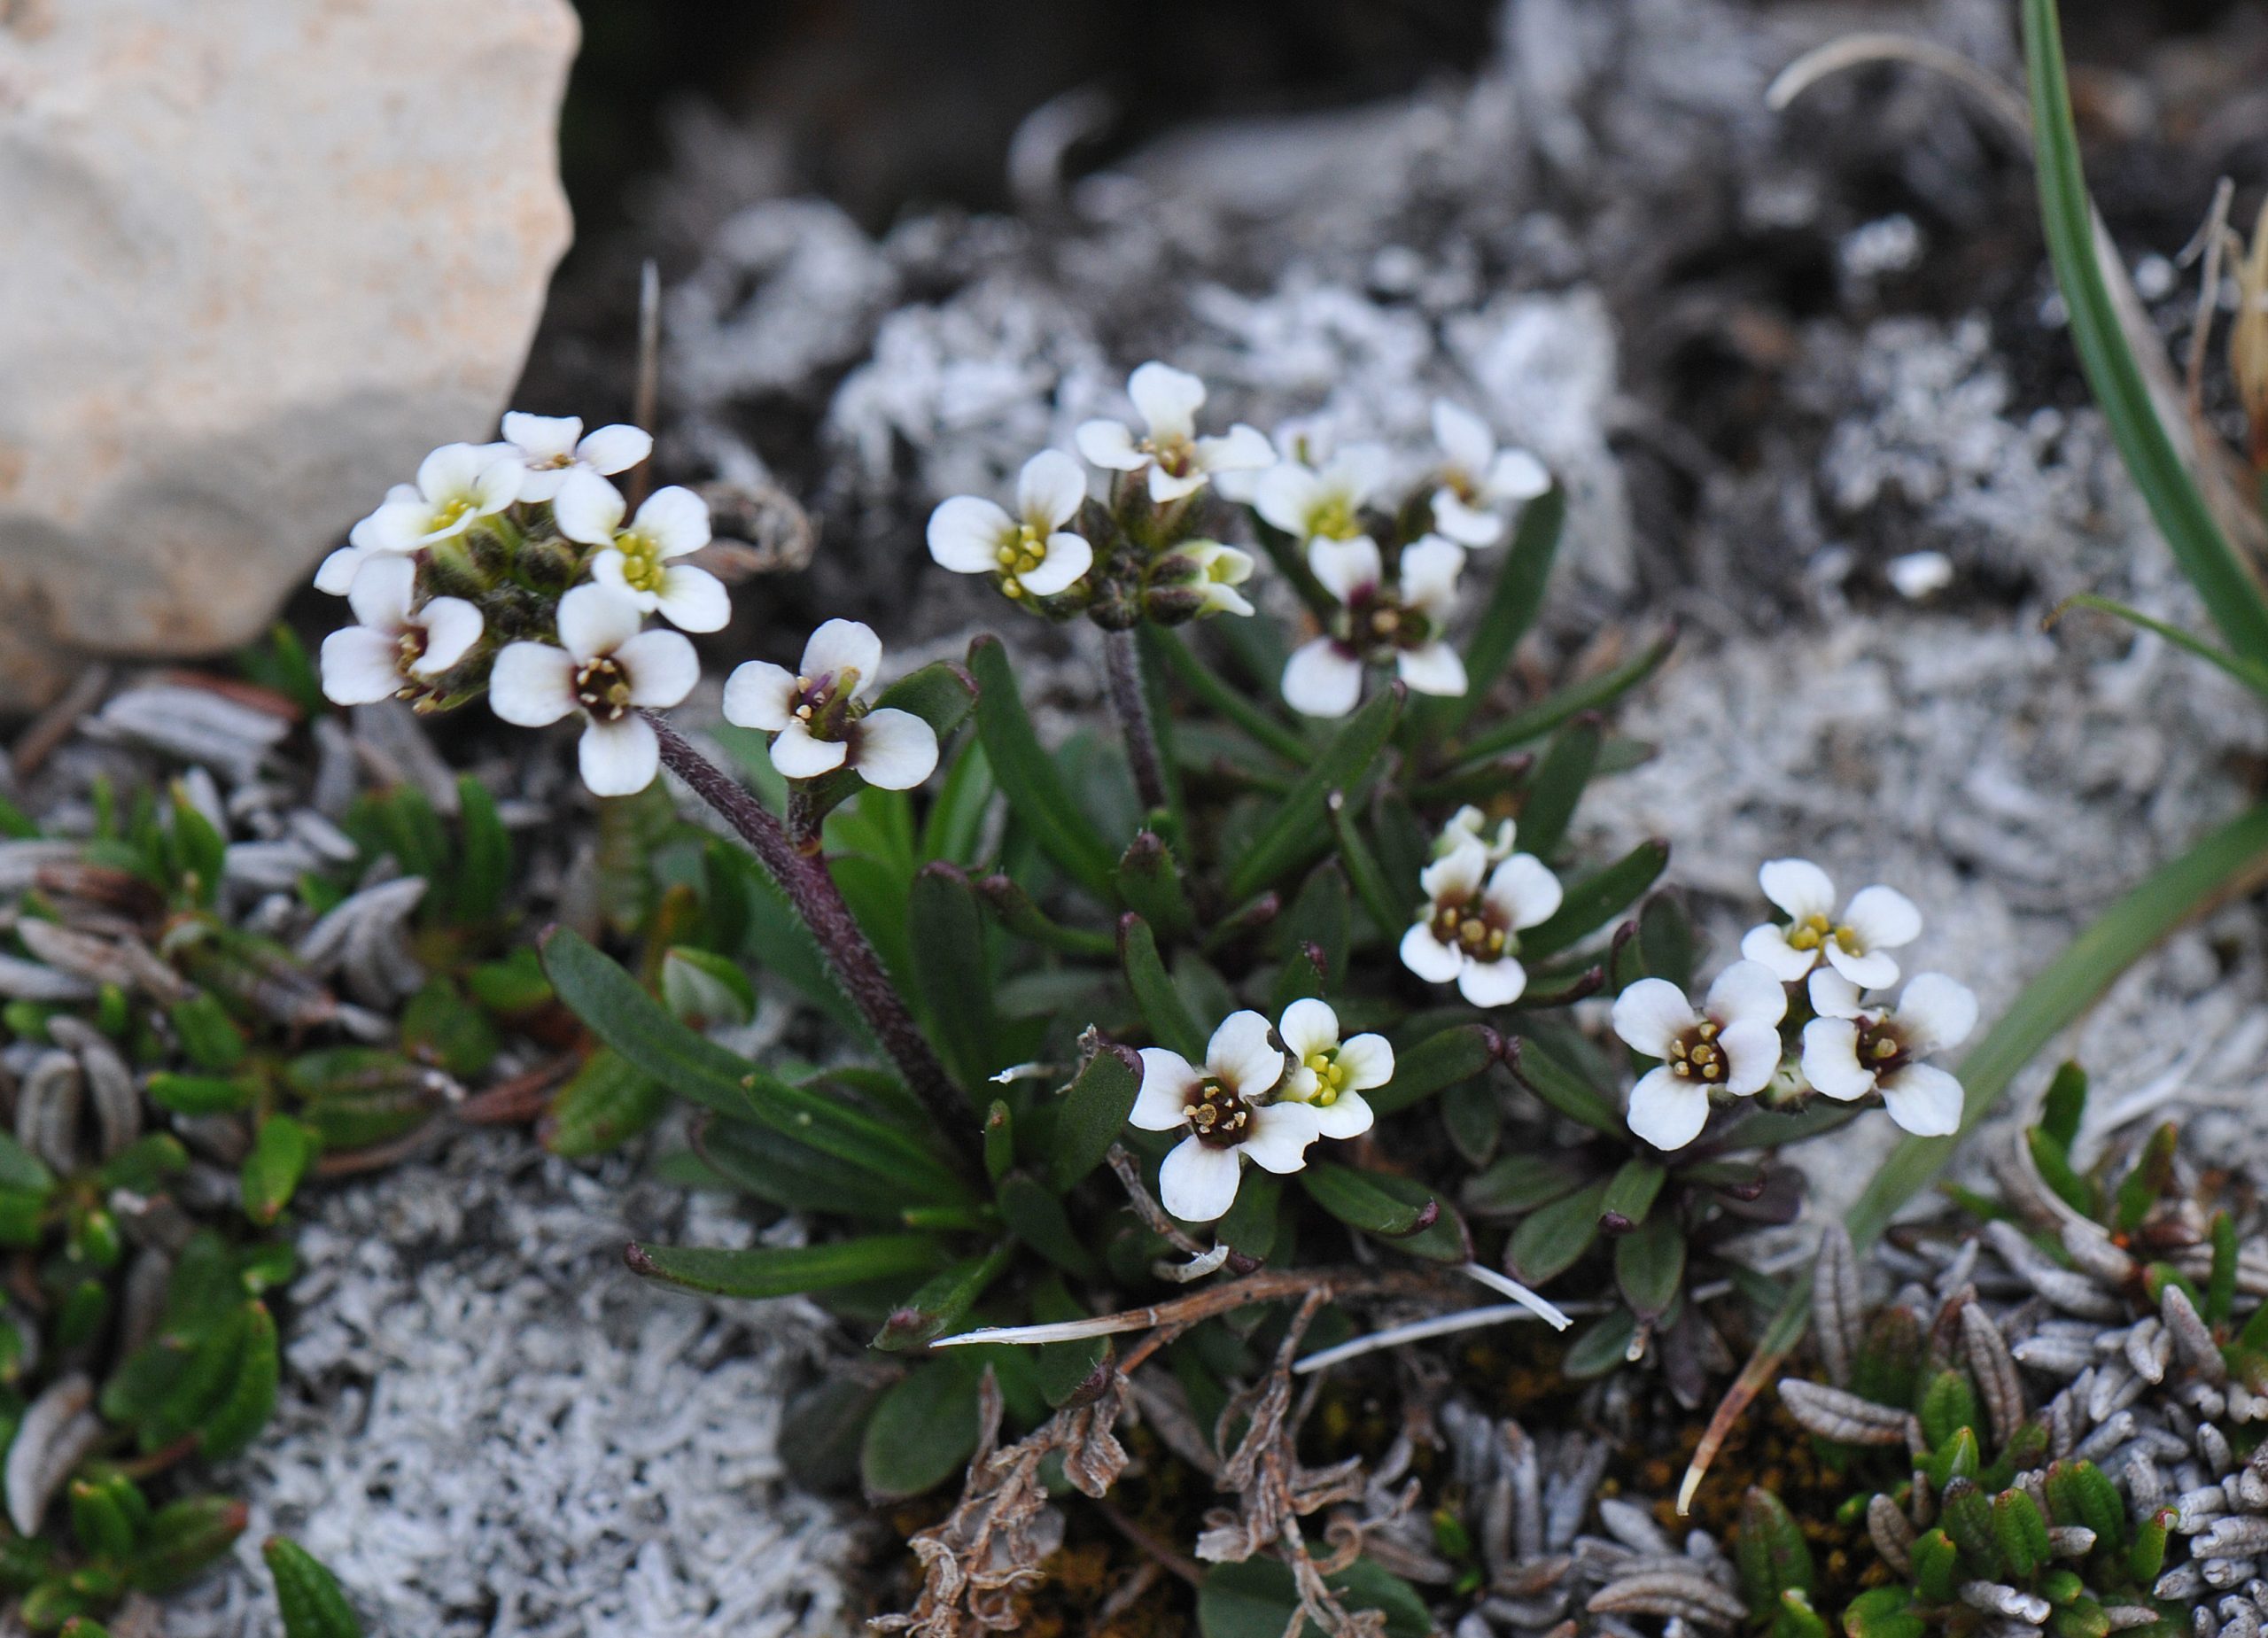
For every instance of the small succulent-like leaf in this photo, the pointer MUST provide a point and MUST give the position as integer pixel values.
(250, 1400)
(1596, 899)
(2056, 1170)
(185, 1537)
(1771, 1552)
(1550, 1240)
(2146, 1557)
(1649, 1265)
(281, 1152)
(604, 1104)
(2080, 1493)
(307, 1592)
(1886, 1612)
(940, 1306)
(1966, 1516)
(104, 1527)
(1320, 918)
(1380, 900)
(1162, 1005)
(785, 1270)
(2065, 1105)
(2150, 1177)
(922, 1429)
(1958, 1457)
(1948, 1404)
(1093, 1112)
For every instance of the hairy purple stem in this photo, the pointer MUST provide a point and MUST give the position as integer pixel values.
(812, 891)
(1130, 702)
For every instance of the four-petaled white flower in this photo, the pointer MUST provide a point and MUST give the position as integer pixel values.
(608, 669)
(1469, 824)
(551, 446)
(1330, 1075)
(396, 646)
(1851, 1050)
(1223, 1108)
(1856, 944)
(456, 484)
(1178, 459)
(1477, 480)
(1308, 504)
(1468, 929)
(1729, 1043)
(1376, 622)
(1213, 571)
(1034, 554)
(671, 522)
(817, 717)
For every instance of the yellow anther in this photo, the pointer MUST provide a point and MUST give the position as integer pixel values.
(1496, 939)
(1006, 557)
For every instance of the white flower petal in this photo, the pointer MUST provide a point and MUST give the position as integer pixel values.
(1492, 984)
(1430, 668)
(532, 684)
(1308, 1026)
(896, 749)
(1243, 449)
(1882, 918)
(840, 647)
(1358, 472)
(675, 519)
(1321, 680)
(595, 621)
(1747, 993)
(611, 570)
(498, 484)
(966, 533)
(1428, 957)
(1068, 557)
(587, 508)
(1167, 397)
(336, 575)
(1515, 475)
(1874, 969)
(1523, 891)
(1281, 1134)
(1751, 1050)
(1224, 598)
(614, 449)
(1832, 995)
(360, 665)
(1923, 1100)
(542, 437)
(1242, 1054)
(451, 471)
(1300, 1084)
(1767, 944)
(397, 527)
(1050, 490)
(1464, 438)
(693, 600)
(661, 667)
(451, 626)
(1368, 1061)
(1168, 1082)
(1347, 568)
(1937, 1011)
(1109, 444)
(543, 483)
(1667, 1110)
(1166, 487)
(1350, 1116)
(619, 759)
(1466, 524)
(1429, 568)
(1830, 1060)
(760, 694)
(1798, 886)
(1650, 1015)
(1288, 495)
(382, 591)
(1455, 873)
(799, 754)
(1197, 1183)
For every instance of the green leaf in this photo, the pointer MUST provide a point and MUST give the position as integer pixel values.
(1229, 701)
(787, 1270)
(2054, 1166)
(1029, 777)
(1015, 908)
(282, 1151)
(924, 1428)
(999, 1140)
(777, 1169)
(955, 827)
(1596, 899)
(2077, 245)
(1630, 1193)
(1570, 702)
(2065, 1105)
(1551, 1238)
(1297, 830)
(938, 1309)
(185, 1538)
(702, 989)
(634, 1023)
(308, 1593)
(441, 1027)
(1665, 940)
(251, 1397)
(1771, 1552)
(1150, 884)
(1561, 1089)
(21, 1170)
(1456, 1054)
(1558, 785)
(1379, 901)
(1093, 1112)
(1258, 1599)
(2251, 674)
(952, 972)
(1601, 1346)
(1368, 1200)
(1513, 604)
(607, 1102)
(1474, 1119)
(1649, 1265)
(1035, 1215)
(1253, 1225)
(1517, 1184)
(485, 869)
(1162, 1008)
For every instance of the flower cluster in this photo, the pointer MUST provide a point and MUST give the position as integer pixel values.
(1381, 582)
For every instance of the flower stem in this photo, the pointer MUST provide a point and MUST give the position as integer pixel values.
(1130, 702)
(803, 878)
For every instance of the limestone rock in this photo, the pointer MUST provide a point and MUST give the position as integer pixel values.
(262, 255)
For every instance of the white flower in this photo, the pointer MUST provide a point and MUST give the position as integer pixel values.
(1479, 479)
(1327, 505)
(636, 562)
(1376, 622)
(817, 714)
(1178, 461)
(1213, 571)
(1032, 552)
(1468, 823)
(1468, 929)
(395, 647)
(1850, 1051)
(1221, 1106)
(1330, 1075)
(456, 484)
(1730, 1043)
(551, 446)
(1876, 920)
(607, 669)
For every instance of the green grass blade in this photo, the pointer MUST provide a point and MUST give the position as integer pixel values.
(2253, 676)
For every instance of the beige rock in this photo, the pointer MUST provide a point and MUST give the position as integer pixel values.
(260, 256)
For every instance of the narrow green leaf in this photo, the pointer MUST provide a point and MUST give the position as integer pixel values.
(1150, 884)
(1384, 906)
(702, 989)
(1455, 1055)
(1253, 1225)
(1297, 831)
(2075, 245)
(1168, 1015)
(1029, 777)
(1601, 1346)
(1550, 1239)
(1591, 902)
(1630, 1194)
(952, 972)
(1363, 1199)
(1019, 915)
(938, 1309)
(1649, 1265)
(999, 1140)
(2065, 1105)
(1035, 1215)
(607, 1103)
(1323, 916)
(1513, 602)
(922, 1430)
(308, 1593)
(785, 1270)
(1558, 785)
(1093, 1112)
(1561, 1088)
(1258, 1599)
(251, 1397)
(955, 827)
(1517, 1184)
(1547, 714)
(1230, 702)
(1474, 1119)
(485, 870)
(781, 1171)
(2250, 673)
(282, 1151)
(1665, 940)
